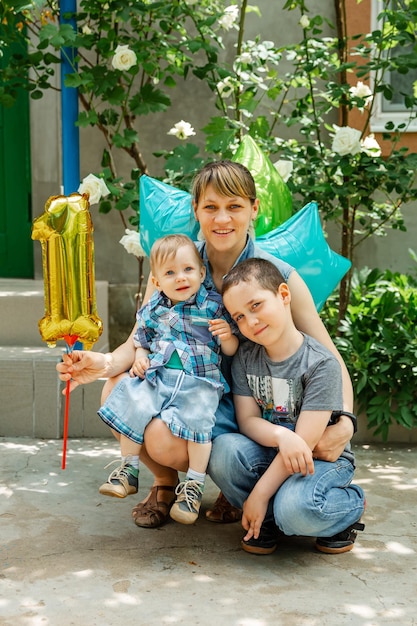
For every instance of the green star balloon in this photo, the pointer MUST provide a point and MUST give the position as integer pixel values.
(275, 202)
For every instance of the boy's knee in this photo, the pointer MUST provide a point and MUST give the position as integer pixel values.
(293, 517)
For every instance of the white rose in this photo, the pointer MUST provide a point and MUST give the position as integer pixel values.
(347, 140)
(95, 188)
(86, 30)
(304, 22)
(229, 17)
(123, 58)
(225, 87)
(245, 57)
(182, 130)
(291, 55)
(130, 241)
(284, 169)
(360, 90)
(370, 146)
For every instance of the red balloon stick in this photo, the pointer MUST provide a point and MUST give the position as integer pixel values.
(70, 341)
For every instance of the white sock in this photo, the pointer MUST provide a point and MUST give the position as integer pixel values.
(193, 475)
(132, 460)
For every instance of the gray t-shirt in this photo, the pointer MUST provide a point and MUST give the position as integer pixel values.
(309, 380)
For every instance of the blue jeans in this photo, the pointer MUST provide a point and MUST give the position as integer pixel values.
(317, 505)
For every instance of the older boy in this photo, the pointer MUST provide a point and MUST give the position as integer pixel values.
(287, 387)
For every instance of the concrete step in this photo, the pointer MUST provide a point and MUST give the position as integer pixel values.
(22, 306)
(31, 400)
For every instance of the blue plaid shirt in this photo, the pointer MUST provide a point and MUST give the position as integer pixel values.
(163, 328)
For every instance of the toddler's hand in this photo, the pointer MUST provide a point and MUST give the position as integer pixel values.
(139, 367)
(221, 329)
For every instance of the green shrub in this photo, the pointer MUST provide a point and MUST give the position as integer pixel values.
(378, 342)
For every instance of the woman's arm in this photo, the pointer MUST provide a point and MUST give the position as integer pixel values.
(306, 319)
(81, 367)
(85, 366)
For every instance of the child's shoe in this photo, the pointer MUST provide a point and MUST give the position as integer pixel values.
(266, 543)
(187, 505)
(342, 542)
(122, 482)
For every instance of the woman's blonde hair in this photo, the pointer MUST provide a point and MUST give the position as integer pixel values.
(227, 179)
(166, 248)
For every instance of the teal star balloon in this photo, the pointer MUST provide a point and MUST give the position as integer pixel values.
(300, 242)
(164, 210)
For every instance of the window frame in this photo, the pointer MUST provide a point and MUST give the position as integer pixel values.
(380, 117)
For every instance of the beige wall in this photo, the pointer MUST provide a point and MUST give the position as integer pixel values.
(194, 102)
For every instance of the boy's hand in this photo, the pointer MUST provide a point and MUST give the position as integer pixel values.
(254, 511)
(295, 453)
(139, 367)
(221, 329)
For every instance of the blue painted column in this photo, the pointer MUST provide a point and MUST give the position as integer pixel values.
(69, 111)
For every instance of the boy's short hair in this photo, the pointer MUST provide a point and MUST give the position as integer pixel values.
(166, 248)
(265, 273)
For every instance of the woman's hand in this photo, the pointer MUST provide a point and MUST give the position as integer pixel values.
(81, 367)
(334, 440)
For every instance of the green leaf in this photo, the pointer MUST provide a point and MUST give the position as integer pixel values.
(72, 80)
(128, 138)
(219, 136)
(37, 94)
(184, 159)
(149, 100)
(105, 206)
(87, 118)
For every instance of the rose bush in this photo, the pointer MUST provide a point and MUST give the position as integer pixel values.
(129, 56)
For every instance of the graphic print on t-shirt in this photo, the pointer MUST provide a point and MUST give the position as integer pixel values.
(279, 398)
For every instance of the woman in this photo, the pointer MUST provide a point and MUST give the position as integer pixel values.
(225, 205)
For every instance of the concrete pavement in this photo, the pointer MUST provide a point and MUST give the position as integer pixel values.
(71, 557)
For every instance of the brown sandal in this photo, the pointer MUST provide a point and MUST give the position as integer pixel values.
(153, 513)
(223, 512)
